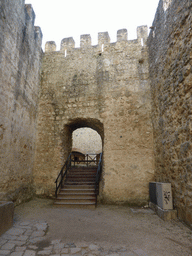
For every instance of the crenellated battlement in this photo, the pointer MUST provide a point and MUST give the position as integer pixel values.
(50, 46)
(103, 39)
(67, 43)
(135, 93)
(122, 35)
(85, 41)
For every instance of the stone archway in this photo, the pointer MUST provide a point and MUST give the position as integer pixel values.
(76, 123)
(53, 150)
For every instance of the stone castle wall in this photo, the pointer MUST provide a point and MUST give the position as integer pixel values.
(106, 88)
(109, 88)
(170, 62)
(20, 54)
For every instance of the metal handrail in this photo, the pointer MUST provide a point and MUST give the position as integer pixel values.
(88, 159)
(98, 175)
(62, 174)
(67, 166)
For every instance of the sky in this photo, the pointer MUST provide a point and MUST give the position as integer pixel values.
(59, 19)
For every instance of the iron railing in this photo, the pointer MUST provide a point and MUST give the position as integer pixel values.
(98, 175)
(87, 159)
(63, 174)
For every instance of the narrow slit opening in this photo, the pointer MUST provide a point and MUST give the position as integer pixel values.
(142, 42)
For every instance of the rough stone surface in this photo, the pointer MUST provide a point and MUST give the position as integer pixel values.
(20, 53)
(106, 90)
(104, 87)
(170, 61)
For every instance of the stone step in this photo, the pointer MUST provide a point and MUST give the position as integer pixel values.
(76, 196)
(79, 170)
(80, 183)
(81, 174)
(76, 205)
(76, 190)
(83, 181)
(75, 200)
(79, 189)
(84, 167)
(80, 177)
(83, 170)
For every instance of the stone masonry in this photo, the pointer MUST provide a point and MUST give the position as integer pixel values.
(106, 88)
(20, 55)
(170, 60)
(136, 94)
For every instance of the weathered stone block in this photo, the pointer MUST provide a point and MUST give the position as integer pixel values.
(20, 51)
(122, 35)
(103, 38)
(169, 45)
(164, 214)
(85, 40)
(50, 46)
(67, 43)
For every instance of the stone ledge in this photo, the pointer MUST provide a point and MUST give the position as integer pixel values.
(163, 214)
(6, 216)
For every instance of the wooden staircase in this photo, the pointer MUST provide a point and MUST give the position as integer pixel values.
(79, 188)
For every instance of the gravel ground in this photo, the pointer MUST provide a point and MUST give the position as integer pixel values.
(109, 227)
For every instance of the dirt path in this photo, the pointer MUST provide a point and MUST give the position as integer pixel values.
(110, 226)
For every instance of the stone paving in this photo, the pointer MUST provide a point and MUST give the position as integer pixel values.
(29, 239)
